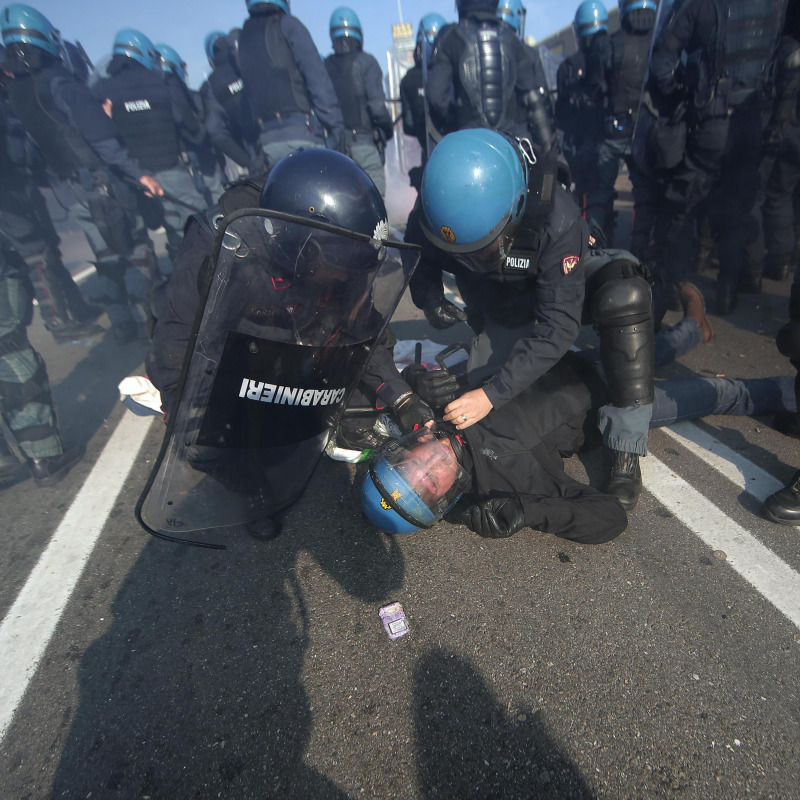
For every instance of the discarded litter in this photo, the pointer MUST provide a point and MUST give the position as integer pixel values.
(394, 620)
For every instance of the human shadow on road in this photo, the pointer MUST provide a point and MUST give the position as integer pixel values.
(469, 746)
(197, 688)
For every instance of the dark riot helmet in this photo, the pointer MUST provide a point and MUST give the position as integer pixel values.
(325, 186)
(414, 481)
(473, 195)
(135, 45)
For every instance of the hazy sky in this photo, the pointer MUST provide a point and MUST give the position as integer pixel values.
(183, 24)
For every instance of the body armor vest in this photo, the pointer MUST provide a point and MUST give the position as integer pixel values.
(631, 55)
(273, 84)
(228, 88)
(747, 35)
(488, 74)
(347, 76)
(62, 145)
(142, 111)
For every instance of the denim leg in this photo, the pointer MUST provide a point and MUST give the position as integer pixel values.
(672, 342)
(690, 398)
(625, 428)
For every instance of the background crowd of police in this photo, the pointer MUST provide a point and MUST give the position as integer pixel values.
(700, 102)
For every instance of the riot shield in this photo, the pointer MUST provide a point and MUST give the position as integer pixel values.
(290, 315)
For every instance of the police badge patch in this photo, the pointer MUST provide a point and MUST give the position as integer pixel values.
(568, 263)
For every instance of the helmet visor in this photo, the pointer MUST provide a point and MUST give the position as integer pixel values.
(491, 257)
(420, 476)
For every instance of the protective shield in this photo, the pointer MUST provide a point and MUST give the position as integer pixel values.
(292, 310)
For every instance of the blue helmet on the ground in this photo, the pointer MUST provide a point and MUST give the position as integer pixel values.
(23, 25)
(413, 482)
(282, 4)
(590, 18)
(429, 27)
(345, 22)
(474, 192)
(512, 12)
(134, 44)
(208, 44)
(170, 61)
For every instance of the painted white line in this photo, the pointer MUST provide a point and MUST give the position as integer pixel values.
(760, 567)
(83, 274)
(732, 465)
(31, 621)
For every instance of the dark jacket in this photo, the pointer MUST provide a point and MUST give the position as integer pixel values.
(517, 450)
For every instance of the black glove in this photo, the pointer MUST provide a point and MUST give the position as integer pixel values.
(442, 314)
(496, 518)
(437, 387)
(412, 412)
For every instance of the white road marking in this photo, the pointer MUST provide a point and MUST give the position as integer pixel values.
(760, 567)
(734, 466)
(31, 621)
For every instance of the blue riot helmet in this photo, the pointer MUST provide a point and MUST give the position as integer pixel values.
(414, 481)
(24, 27)
(345, 23)
(208, 44)
(134, 44)
(638, 15)
(512, 12)
(429, 27)
(282, 4)
(170, 61)
(590, 18)
(474, 192)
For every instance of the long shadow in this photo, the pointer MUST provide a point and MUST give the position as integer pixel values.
(196, 690)
(469, 747)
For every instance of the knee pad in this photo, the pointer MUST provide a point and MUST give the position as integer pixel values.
(622, 313)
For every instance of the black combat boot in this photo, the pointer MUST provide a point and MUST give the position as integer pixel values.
(49, 471)
(726, 297)
(625, 478)
(784, 506)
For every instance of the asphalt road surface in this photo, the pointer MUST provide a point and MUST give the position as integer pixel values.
(663, 664)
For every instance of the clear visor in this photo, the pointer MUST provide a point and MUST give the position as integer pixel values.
(490, 258)
(420, 476)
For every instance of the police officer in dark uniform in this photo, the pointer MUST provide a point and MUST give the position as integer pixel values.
(483, 66)
(157, 123)
(616, 67)
(85, 160)
(228, 119)
(729, 47)
(540, 115)
(514, 239)
(287, 87)
(580, 120)
(358, 82)
(26, 227)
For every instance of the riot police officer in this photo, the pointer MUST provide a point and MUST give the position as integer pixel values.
(157, 123)
(512, 235)
(287, 87)
(483, 66)
(540, 113)
(82, 151)
(205, 160)
(728, 47)
(580, 119)
(228, 119)
(616, 67)
(358, 82)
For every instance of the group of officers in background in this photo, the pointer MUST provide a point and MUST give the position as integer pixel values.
(699, 100)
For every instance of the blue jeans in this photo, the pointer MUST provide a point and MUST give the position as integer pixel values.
(690, 398)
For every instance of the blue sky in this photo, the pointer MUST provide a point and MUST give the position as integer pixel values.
(183, 24)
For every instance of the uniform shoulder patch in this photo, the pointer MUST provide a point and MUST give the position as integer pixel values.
(568, 263)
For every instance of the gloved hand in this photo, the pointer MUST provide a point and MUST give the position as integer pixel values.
(437, 387)
(443, 314)
(496, 518)
(412, 412)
